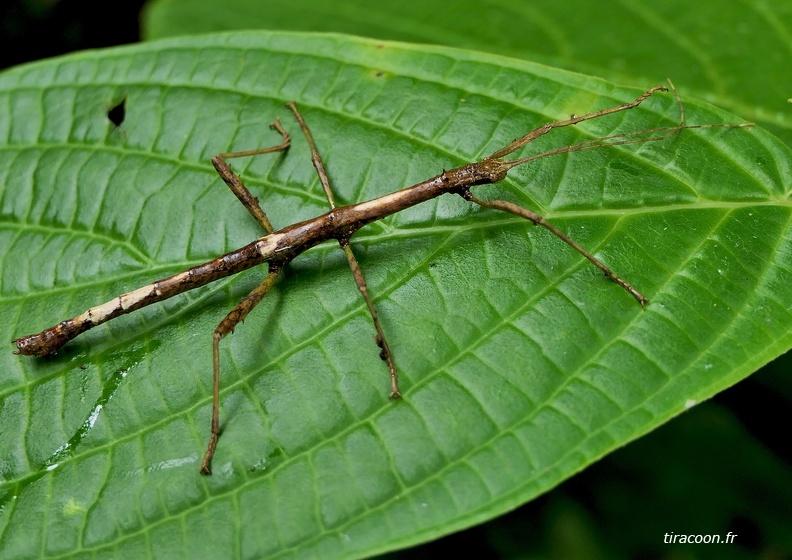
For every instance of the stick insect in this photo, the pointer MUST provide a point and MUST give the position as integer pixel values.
(279, 248)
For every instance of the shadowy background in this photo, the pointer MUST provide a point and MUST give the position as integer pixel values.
(723, 466)
(34, 29)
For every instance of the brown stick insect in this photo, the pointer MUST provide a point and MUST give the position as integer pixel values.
(279, 248)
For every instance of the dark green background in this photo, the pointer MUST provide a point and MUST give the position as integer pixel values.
(723, 466)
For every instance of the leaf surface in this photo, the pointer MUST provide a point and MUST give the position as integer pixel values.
(734, 55)
(520, 364)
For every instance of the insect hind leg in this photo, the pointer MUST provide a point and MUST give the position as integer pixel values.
(234, 183)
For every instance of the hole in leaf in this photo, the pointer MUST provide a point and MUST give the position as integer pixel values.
(117, 113)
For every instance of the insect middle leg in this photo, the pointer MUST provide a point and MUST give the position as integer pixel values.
(354, 266)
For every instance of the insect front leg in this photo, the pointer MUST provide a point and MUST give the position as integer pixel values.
(538, 220)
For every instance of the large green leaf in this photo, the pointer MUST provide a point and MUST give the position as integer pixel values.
(706, 460)
(733, 54)
(520, 363)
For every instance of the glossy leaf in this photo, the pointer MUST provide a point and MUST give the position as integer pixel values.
(520, 363)
(732, 54)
